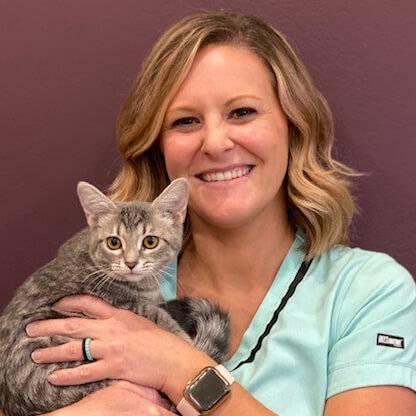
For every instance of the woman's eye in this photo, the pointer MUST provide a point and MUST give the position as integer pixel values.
(150, 242)
(185, 121)
(113, 243)
(242, 112)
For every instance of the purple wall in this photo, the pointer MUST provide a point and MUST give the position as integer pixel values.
(65, 67)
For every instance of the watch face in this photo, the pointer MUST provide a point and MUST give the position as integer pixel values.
(208, 390)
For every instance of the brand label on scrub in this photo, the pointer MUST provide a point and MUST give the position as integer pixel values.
(390, 341)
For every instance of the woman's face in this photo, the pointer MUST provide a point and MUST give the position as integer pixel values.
(224, 131)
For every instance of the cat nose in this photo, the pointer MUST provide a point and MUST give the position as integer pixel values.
(131, 264)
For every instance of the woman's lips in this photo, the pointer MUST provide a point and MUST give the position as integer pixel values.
(227, 174)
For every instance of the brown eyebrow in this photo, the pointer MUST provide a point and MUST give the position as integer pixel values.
(241, 96)
(186, 108)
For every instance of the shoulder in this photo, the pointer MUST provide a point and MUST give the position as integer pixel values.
(372, 338)
(366, 281)
(356, 269)
(348, 280)
(342, 265)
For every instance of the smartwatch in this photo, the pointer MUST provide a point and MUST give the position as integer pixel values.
(206, 392)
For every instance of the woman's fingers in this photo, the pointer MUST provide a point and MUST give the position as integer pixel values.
(118, 399)
(71, 351)
(119, 344)
(146, 392)
(89, 305)
(72, 327)
(82, 374)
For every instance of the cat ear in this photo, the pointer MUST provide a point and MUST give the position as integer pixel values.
(174, 199)
(94, 202)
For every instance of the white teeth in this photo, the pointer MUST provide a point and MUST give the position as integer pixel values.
(225, 176)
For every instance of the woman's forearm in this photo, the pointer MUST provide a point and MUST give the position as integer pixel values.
(240, 402)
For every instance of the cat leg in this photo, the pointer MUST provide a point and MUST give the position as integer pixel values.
(163, 319)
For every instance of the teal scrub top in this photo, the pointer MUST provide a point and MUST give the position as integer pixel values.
(350, 323)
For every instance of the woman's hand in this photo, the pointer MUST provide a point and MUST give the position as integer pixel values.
(125, 346)
(122, 399)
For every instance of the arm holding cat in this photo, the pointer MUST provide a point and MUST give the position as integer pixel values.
(133, 349)
(120, 398)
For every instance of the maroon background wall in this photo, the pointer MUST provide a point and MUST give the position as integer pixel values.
(65, 67)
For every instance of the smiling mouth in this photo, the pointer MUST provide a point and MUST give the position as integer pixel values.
(226, 175)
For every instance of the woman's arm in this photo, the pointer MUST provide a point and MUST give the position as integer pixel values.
(132, 348)
(239, 403)
(367, 401)
(121, 399)
(382, 401)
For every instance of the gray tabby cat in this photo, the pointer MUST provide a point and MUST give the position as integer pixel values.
(119, 258)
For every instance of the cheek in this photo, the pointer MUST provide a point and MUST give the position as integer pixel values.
(265, 142)
(178, 151)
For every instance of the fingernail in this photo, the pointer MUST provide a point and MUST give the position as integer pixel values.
(31, 329)
(35, 356)
(52, 377)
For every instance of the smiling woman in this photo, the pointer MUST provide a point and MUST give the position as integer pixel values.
(316, 186)
(317, 327)
(228, 139)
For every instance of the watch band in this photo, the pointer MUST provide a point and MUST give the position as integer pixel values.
(225, 373)
(186, 409)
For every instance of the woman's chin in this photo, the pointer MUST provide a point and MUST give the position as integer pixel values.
(228, 219)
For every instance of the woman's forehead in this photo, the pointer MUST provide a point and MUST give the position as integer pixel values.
(226, 70)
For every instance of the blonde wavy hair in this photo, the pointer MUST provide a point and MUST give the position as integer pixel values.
(318, 187)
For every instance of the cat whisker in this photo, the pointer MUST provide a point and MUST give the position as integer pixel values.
(96, 278)
(156, 276)
(91, 269)
(95, 272)
(105, 278)
(170, 268)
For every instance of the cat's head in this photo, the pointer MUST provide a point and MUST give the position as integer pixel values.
(135, 241)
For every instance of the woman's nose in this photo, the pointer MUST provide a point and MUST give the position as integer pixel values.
(215, 138)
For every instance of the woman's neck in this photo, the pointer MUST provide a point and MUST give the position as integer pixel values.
(242, 258)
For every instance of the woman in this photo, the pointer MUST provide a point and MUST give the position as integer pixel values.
(317, 328)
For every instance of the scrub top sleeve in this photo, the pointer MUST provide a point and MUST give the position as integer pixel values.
(374, 328)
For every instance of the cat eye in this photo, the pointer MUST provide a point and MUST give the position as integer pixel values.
(150, 241)
(113, 243)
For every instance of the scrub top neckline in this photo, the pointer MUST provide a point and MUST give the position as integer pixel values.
(270, 303)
